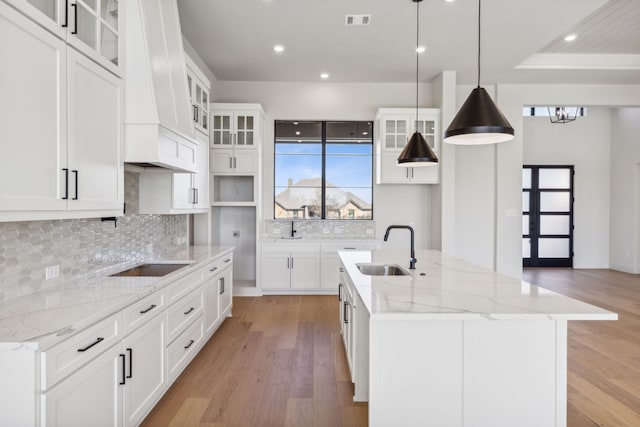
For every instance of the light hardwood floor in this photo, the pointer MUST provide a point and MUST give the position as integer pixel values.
(280, 362)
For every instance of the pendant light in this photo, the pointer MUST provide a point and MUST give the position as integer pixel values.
(479, 120)
(417, 152)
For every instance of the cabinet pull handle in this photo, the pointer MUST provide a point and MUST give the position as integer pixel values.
(339, 291)
(292, 263)
(195, 113)
(66, 184)
(230, 162)
(344, 312)
(75, 172)
(197, 196)
(235, 165)
(189, 345)
(98, 341)
(288, 262)
(412, 173)
(123, 368)
(130, 351)
(227, 260)
(341, 270)
(221, 285)
(213, 269)
(352, 249)
(189, 311)
(66, 14)
(75, 18)
(148, 309)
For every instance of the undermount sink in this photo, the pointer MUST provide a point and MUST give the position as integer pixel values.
(152, 270)
(382, 270)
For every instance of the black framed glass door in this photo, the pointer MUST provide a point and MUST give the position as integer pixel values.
(547, 216)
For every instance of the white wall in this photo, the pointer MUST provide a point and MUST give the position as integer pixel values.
(625, 188)
(586, 144)
(393, 204)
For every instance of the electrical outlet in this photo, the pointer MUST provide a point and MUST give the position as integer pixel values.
(236, 233)
(52, 272)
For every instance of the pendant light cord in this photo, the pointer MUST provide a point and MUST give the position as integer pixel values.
(479, 8)
(417, 54)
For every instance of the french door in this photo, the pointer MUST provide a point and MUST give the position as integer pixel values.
(547, 216)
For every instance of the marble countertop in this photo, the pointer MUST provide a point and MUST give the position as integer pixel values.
(444, 287)
(42, 319)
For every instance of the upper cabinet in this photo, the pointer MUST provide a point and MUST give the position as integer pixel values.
(198, 85)
(91, 26)
(394, 127)
(159, 128)
(61, 126)
(236, 137)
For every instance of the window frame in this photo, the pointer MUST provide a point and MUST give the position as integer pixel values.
(323, 142)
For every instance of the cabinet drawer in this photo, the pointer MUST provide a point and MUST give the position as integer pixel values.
(182, 313)
(226, 260)
(184, 348)
(144, 310)
(185, 285)
(213, 268)
(333, 247)
(66, 357)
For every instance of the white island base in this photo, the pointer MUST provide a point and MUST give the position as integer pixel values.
(468, 373)
(455, 345)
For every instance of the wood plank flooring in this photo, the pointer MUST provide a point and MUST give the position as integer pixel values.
(603, 356)
(280, 362)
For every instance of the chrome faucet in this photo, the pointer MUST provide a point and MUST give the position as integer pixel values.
(293, 230)
(412, 260)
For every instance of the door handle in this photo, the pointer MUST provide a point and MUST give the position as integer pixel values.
(221, 285)
(75, 172)
(66, 14)
(123, 357)
(66, 184)
(75, 18)
(130, 351)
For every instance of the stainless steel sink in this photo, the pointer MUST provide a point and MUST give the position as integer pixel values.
(382, 270)
(151, 270)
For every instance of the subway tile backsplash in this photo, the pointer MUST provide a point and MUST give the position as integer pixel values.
(83, 248)
(322, 229)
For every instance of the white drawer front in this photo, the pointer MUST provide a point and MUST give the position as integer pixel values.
(182, 313)
(144, 310)
(226, 260)
(184, 348)
(213, 268)
(185, 285)
(65, 358)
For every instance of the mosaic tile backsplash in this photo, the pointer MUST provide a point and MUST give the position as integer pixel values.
(322, 230)
(83, 248)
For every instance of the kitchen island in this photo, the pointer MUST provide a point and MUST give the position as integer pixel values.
(454, 344)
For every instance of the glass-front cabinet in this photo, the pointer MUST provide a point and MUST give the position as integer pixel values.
(198, 85)
(91, 26)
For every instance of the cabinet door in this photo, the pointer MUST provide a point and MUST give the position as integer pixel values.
(305, 271)
(275, 270)
(245, 161)
(51, 14)
(145, 369)
(33, 124)
(200, 180)
(211, 311)
(89, 397)
(388, 170)
(182, 192)
(395, 133)
(221, 160)
(246, 129)
(225, 290)
(95, 136)
(330, 271)
(424, 175)
(221, 129)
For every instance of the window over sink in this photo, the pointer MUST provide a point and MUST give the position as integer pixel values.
(323, 170)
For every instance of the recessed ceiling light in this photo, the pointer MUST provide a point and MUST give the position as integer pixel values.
(295, 123)
(298, 132)
(324, 76)
(570, 37)
(278, 48)
(421, 49)
(365, 133)
(449, 1)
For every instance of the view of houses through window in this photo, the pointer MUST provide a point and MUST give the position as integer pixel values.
(323, 170)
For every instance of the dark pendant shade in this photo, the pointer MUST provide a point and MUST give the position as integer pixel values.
(479, 121)
(417, 152)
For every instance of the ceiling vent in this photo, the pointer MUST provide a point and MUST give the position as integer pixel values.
(350, 20)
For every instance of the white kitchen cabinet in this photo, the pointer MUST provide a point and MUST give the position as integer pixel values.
(225, 291)
(166, 192)
(290, 266)
(75, 127)
(199, 86)
(91, 27)
(145, 369)
(394, 128)
(236, 138)
(92, 396)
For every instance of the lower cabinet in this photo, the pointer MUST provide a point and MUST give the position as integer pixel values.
(145, 376)
(92, 396)
(225, 291)
(290, 270)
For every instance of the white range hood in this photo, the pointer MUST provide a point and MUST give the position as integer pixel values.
(158, 126)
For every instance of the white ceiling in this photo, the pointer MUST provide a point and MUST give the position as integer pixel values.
(235, 38)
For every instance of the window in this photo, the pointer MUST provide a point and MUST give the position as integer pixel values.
(323, 170)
